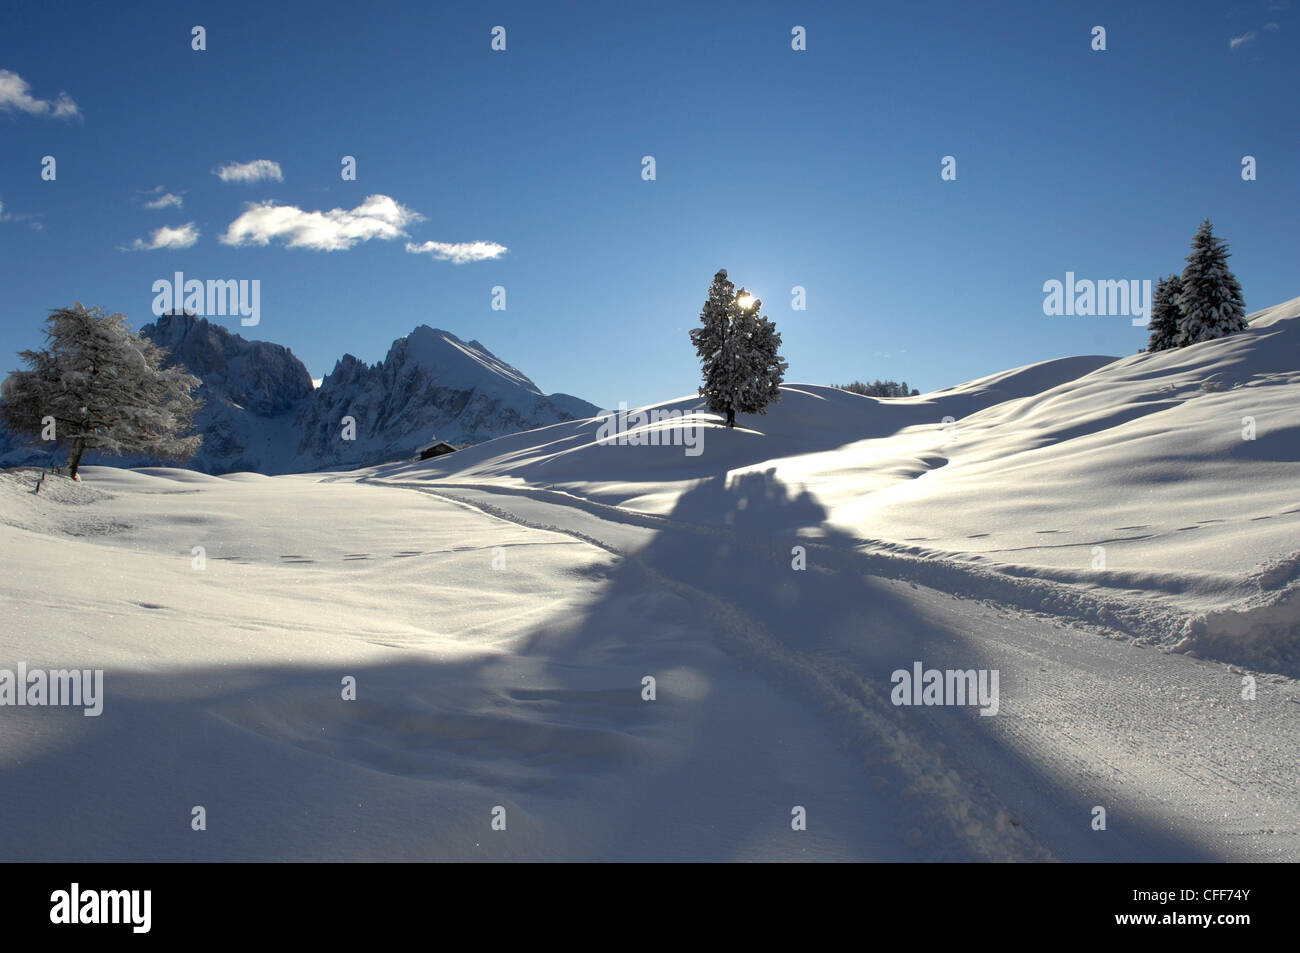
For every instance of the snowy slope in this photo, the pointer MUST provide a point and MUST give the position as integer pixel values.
(520, 687)
(1144, 457)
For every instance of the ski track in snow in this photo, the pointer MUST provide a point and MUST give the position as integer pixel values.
(1183, 766)
(521, 689)
(475, 689)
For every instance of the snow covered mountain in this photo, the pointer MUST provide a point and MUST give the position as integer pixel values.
(260, 377)
(430, 382)
(261, 412)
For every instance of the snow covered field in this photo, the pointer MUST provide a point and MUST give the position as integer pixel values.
(1118, 539)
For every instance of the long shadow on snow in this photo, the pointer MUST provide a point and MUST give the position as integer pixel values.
(836, 637)
(308, 792)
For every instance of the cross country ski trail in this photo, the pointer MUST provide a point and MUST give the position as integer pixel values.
(1182, 765)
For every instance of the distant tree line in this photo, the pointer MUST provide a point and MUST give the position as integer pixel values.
(879, 388)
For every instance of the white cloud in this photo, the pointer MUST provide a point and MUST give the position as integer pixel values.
(458, 252)
(259, 170)
(182, 236)
(164, 199)
(377, 217)
(16, 94)
(32, 220)
(1237, 41)
(1270, 26)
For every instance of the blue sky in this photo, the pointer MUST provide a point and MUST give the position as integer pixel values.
(818, 168)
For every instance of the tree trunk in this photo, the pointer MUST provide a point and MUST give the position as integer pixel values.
(74, 456)
(731, 416)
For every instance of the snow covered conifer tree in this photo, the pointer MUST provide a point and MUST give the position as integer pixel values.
(739, 352)
(1210, 300)
(97, 386)
(761, 355)
(716, 352)
(1165, 316)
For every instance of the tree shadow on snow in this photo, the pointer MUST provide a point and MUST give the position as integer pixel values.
(558, 733)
